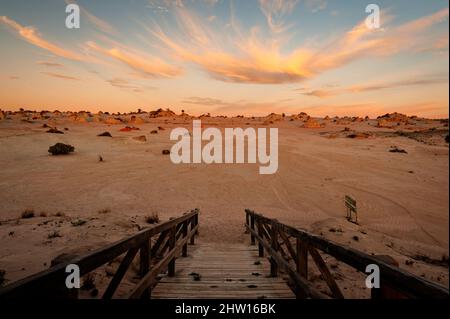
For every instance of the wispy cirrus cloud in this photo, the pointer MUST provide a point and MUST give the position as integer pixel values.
(144, 64)
(316, 5)
(275, 12)
(99, 23)
(50, 64)
(61, 76)
(31, 35)
(325, 93)
(128, 85)
(253, 58)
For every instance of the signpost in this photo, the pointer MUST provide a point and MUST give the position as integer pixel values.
(350, 203)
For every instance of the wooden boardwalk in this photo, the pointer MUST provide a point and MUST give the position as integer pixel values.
(232, 271)
(172, 265)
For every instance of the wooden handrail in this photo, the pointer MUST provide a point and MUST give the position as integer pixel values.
(50, 283)
(408, 285)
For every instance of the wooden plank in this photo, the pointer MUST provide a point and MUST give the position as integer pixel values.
(185, 233)
(121, 271)
(172, 244)
(260, 232)
(227, 271)
(288, 245)
(275, 248)
(326, 273)
(145, 265)
(302, 259)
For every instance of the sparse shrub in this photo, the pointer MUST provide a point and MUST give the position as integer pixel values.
(104, 211)
(43, 214)
(105, 134)
(54, 234)
(154, 132)
(27, 214)
(60, 214)
(395, 149)
(54, 131)
(166, 152)
(152, 219)
(78, 222)
(61, 149)
(88, 282)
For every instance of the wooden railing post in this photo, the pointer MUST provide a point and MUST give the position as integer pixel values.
(185, 233)
(260, 234)
(145, 265)
(252, 226)
(172, 243)
(196, 224)
(275, 247)
(302, 259)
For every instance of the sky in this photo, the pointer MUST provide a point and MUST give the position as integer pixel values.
(226, 57)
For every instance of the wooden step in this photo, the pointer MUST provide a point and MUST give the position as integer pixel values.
(227, 272)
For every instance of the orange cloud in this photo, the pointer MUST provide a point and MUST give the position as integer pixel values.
(251, 60)
(145, 65)
(32, 36)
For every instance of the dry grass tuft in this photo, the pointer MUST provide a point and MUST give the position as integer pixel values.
(152, 219)
(27, 214)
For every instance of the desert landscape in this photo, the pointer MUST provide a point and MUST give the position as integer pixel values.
(110, 112)
(117, 181)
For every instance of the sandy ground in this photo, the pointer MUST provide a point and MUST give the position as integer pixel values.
(402, 198)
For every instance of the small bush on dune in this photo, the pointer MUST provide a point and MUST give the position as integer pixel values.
(105, 134)
(54, 131)
(53, 235)
(27, 214)
(104, 211)
(61, 149)
(152, 219)
(78, 222)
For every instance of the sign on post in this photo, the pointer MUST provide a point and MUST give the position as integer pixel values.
(350, 203)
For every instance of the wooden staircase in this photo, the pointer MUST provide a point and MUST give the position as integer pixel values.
(172, 265)
(219, 271)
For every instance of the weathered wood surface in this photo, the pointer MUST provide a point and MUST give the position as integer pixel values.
(226, 271)
(50, 283)
(403, 282)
